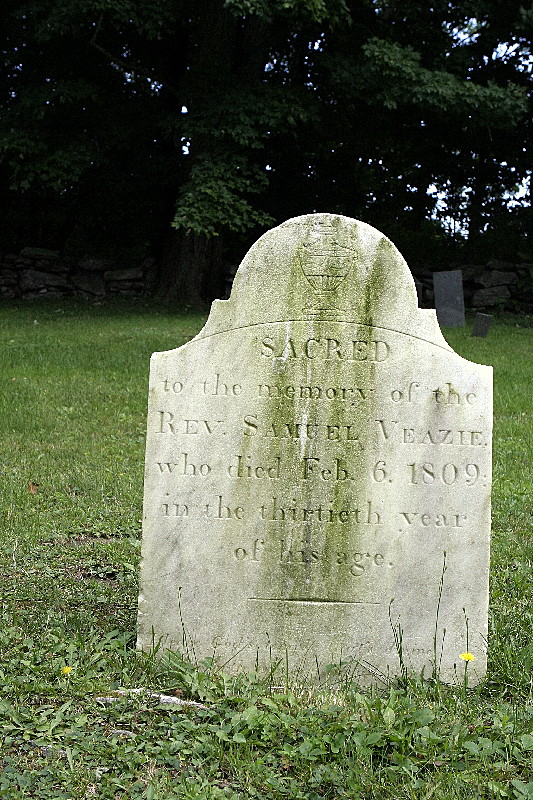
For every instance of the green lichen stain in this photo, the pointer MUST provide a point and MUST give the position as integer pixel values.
(307, 558)
(318, 561)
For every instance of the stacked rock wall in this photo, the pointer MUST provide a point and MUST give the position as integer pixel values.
(496, 284)
(35, 273)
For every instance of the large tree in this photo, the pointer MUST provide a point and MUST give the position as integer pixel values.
(191, 126)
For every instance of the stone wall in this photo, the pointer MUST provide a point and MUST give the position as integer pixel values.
(496, 284)
(35, 273)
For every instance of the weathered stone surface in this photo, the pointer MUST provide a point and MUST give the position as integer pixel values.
(129, 274)
(318, 471)
(32, 279)
(46, 292)
(491, 296)
(481, 325)
(126, 288)
(95, 264)
(36, 272)
(39, 253)
(504, 266)
(496, 278)
(449, 298)
(90, 282)
(58, 266)
(470, 271)
(8, 277)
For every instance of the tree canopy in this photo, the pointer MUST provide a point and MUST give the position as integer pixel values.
(186, 129)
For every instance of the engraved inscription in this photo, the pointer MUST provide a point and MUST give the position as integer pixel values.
(168, 423)
(447, 474)
(347, 394)
(394, 431)
(243, 467)
(277, 511)
(218, 510)
(215, 386)
(254, 426)
(375, 350)
(336, 471)
(434, 520)
(452, 396)
(354, 562)
(184, 467)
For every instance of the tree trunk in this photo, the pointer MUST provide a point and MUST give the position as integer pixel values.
(226, 52)
(192, 270)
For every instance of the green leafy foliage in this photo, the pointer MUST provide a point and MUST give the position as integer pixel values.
(318, 10)
(215, 197)
(400, 80)
(121, 119)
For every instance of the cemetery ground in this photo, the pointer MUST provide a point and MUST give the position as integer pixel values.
(74, 381)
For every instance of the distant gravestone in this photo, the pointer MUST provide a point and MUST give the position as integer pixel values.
(318, 470)
(481, 325)
(449, 298)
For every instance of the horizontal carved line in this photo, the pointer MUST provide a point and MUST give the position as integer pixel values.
(199, 338)
(315, 601)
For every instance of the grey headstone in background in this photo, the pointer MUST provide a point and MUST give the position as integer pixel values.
(482, 324)
(449, 298)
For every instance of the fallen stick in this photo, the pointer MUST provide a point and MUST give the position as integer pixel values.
(165, 699)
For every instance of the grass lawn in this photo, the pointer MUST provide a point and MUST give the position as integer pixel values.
(73, 393)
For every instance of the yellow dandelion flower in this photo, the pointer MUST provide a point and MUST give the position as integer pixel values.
(66, 670)
(467, 657)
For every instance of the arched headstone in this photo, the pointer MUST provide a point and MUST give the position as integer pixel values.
(318, 471)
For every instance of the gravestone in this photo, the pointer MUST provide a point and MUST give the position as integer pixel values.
(481, 325)
(449, 298)
(318, 471)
